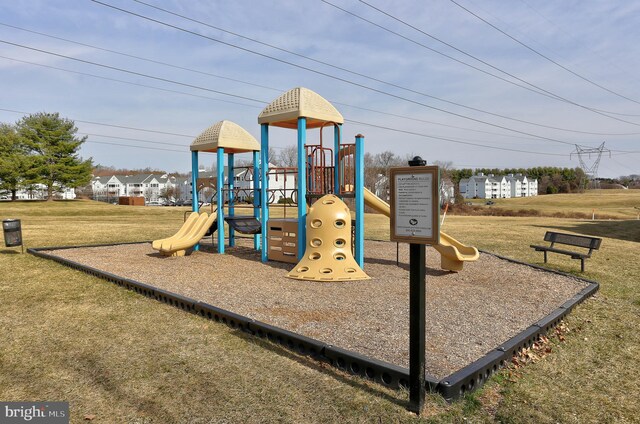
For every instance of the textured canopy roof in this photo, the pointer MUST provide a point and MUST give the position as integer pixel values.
(229, 135)
(296, 103)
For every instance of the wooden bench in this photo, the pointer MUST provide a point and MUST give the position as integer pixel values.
(591, 243)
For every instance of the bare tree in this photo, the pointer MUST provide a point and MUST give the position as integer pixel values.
(445, 181)
(370, 172)
(288, 157)
(169, 193)
(445, 168)
(243, 162)
(385, 160)
(381, 164)
(274, 158)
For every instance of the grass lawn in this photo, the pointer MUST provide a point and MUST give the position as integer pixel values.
(618, 204)
(126, 358)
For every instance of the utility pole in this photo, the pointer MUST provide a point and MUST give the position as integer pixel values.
(591, 171)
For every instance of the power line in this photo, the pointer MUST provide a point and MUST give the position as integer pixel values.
(244, 104)
(542, 55)
(140, 74)
(452, 140)
(328, 64)
(575, 38)
(132, 139)
(368, 124)
(437, 123)
(157, 62)
(136, 147)
(107, 125)
(434, 50)
(624, 166)
(320, 61)
(127, 82)
(541, 91)
(126, 138)
(548, 94)
(225, 93)
(352, 82)
(257, 85)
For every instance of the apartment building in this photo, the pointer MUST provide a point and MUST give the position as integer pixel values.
(153, 187)
(498, 187)
(39, 192)
(521, 186)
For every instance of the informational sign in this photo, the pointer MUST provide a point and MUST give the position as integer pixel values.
(415, 205)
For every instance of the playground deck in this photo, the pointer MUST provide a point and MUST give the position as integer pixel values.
(468, 313)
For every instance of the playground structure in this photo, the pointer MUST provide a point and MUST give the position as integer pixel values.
(322, 169)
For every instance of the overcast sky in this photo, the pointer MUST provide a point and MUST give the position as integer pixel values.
(379, 78)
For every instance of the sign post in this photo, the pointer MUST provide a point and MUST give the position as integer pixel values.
(415, 208)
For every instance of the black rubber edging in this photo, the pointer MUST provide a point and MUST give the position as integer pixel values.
(379, 371)
(475, 374)
(295, 342)
(82, 246)
(451, 387)
(384, 373)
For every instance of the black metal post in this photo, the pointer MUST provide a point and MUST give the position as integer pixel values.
(417, 324)
(417, 261)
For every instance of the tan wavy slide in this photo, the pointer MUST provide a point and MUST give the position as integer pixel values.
(188, 224)
(453, 254)
(188, 236)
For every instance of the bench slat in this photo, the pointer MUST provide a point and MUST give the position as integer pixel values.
(573, 240)
(564, 252)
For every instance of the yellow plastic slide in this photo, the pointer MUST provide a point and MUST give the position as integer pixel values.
(177, 246)
(453, 254)
(188, 224)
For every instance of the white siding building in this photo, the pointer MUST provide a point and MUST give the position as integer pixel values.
(153, 187)
(284, 185)
(500, 187)
(533, 187)
(39, 192)
(521, 186)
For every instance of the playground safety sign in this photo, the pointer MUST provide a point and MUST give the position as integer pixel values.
(415, 206)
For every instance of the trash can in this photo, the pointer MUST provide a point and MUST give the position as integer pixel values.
(12, 232)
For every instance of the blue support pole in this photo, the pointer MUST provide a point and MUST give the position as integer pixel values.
(194, 186)
(220, 198)
(264, 186)
(336, 158)
(302, 187)
(359, 193)
(256, 196)
(231, 182)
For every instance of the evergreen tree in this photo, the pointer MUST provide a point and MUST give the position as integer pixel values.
(13, 160)
(53, 145)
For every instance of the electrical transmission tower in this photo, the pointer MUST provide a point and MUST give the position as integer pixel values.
(591, 171)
